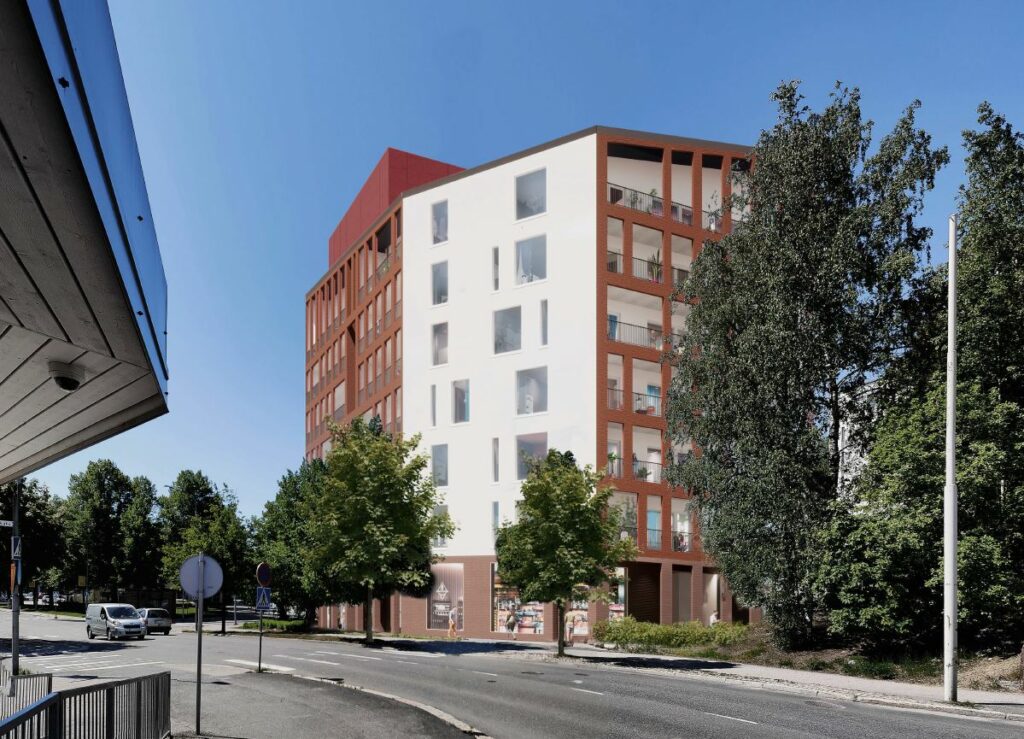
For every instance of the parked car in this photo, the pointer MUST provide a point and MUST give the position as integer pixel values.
(113, 620)
(156, 619)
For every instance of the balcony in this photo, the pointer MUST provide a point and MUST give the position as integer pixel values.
(615, 262)
(683, 541)
(682, 214)
(680, 276)
(647, 405)
(627, 197)
(629, 333)
(384, 266)
(614, 467)
(338, 414)
(615, 399)
(647, 270)
(654, 538)
(398, 309)
(712, 221)
(647, 471)
(388, 315)
(627, 532)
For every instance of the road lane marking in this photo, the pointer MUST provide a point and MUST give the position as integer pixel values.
(584, 690)
(250, 663)
(489, 674)
(310, 659)
(407, 662)
(343, 654)
(577, 682)
(731, 718)
(94, 668)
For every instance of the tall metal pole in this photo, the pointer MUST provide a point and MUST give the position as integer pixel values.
(16, 581)
(949, 504)
(201, 595)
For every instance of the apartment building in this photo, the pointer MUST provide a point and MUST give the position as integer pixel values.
(522, 305)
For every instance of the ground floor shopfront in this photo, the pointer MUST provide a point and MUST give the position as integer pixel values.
(470, 599)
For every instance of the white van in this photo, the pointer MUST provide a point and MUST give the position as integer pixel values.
(114, 621)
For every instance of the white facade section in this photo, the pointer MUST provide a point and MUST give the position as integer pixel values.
(481, 216)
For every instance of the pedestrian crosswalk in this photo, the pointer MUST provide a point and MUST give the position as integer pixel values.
(68, 658)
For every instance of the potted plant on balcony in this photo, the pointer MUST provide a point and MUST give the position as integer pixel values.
(655, 207)
(654, 267)
(634, 199)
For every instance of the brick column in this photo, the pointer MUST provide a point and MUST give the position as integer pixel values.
(666, 591)
(697, 593)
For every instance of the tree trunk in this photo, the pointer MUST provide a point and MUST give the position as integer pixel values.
(368, 614)
(560, 625)
(223, 614)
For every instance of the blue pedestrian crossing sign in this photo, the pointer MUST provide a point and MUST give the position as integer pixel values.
(262, 599)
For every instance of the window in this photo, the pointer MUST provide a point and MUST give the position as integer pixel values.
(529, 447)
(531, 260)
(532, 390)
(495, 518)
(440, 542)
(543, 323)
(439, 344)
(494, 268)
(531, 194)
(508, 330)
(654, 522)
(439, 283)
(439, 219)
(495, 467)
(433, 405)
(460, 401)
(439, 464)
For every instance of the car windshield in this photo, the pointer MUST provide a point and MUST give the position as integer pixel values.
(122, 612)
(156, 613)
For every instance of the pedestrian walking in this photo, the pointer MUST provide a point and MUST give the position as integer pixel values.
(512, 624)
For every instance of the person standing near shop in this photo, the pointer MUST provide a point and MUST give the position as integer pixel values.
(453, 618)
(512, 624)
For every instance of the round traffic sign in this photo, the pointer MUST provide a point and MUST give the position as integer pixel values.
(212, 576)
(263, 574)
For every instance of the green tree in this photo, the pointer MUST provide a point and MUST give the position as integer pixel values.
(190, 496)
(280, 537)
(371, 523)
(42, 534)
(792, 315)
(883, 569)
(141, 549)
(566, 542)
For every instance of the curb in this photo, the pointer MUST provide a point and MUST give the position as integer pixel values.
(432, 710)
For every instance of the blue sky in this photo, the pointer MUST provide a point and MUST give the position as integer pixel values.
(257, 122)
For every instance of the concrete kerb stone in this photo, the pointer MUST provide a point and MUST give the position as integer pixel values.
(437, 713)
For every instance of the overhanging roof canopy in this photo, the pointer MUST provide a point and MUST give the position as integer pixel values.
(81, 279)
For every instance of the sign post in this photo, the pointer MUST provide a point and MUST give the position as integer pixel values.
(201, 577)
(262, 604)
(16, 580)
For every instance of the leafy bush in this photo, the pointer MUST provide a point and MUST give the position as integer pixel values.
(873, 668)
(629, 633)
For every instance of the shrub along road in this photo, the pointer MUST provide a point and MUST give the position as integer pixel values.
(525, 694)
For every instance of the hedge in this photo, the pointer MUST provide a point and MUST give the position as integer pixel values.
(628, 633)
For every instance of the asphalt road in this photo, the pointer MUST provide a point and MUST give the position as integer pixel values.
(524, 694)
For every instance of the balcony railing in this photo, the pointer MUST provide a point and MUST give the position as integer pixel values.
(398, 309)
(614, 466)
(339, 413)
(635, 200)
(682, 213)
(680, 276)
(648, 270)
(630, 333)
(647, 471)
(646, 404)
(627, 532)
(615, 262)
(654, 538)
(615, 399)
(682, 541)
(387, 318)
(712, 221)
(384, 266)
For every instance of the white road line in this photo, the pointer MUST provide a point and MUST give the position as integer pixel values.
(489, 674)
(250, 663)
(342, 654)
(577, 682)
(584, 690)
(731, 718)
(82, 663)
(407, 662)
(310, 659)
(109, 667)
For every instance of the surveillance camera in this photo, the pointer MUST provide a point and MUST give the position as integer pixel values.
(67, 377)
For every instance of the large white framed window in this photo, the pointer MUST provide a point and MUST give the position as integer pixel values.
(529, 447)
(531, 194)
(508, 330)
(460, 401)
(532, 259)
(439, 344)
(532, 390)
(439, 221)
(439, 283)
(439, 464)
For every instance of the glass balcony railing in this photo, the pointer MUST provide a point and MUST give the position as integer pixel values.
(646, 404)
(636, 200)
(647, 471)
(339, 413)
(682, 541)
(654, 538)
(648, 270)
(615, 398)
(615, 262)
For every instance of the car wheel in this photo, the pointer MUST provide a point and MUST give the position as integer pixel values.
(88, 633)
(167, 632)
(141, 637)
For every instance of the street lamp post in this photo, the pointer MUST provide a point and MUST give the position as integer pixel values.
(949, 504)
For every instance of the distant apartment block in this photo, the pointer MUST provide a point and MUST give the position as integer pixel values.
(521, 305)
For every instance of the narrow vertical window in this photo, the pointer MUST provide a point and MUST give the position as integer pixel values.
(433, 405)
(439, 464)
(439, 221)
(543, 323)
(439, 283)
(439, 344)
(495, 518)
(460, 401)
(531, 260)
(494, 268)
(495, 468)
